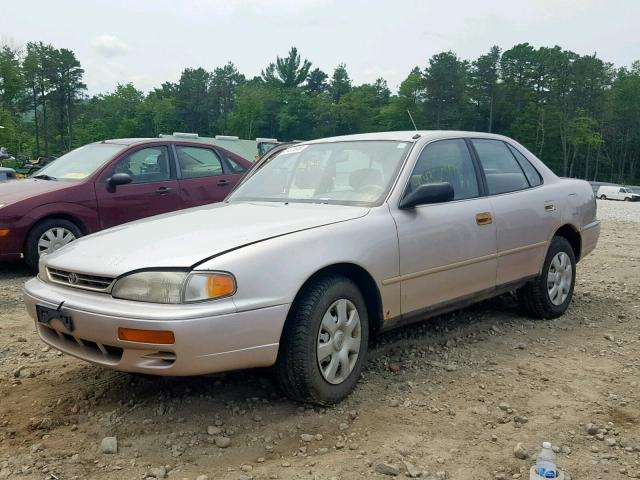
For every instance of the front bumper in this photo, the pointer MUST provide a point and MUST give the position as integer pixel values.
(11, 244)
(204, 343)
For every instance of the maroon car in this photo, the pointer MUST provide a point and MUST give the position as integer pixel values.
(108, 183)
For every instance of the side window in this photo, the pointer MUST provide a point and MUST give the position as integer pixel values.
(501, 169)
(447, 161)
(146, 165)
(234, 166)
(622, 190)
(198, 162)
(529, 170)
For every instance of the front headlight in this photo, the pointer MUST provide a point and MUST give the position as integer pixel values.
(174, 287)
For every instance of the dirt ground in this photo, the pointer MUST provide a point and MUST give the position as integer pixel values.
(449, 398)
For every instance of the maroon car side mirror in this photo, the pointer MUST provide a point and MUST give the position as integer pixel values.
(119, 179)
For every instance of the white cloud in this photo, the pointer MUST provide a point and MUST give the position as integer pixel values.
(109, 46)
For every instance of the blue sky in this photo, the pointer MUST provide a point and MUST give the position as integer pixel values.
(150, 41)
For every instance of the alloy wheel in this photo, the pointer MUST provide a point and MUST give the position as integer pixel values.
(559, 278)
(339, 339)
(54, 239)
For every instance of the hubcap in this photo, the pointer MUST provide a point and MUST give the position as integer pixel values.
(338, 343)
(559, 278)
(53, 239)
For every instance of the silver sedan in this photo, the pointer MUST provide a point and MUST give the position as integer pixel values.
(321, 246)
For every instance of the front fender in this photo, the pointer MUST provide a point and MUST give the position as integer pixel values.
(273, 271)
(84, 213)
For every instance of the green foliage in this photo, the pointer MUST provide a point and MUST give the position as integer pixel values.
(578, 113)
(287, 72)
(340, 82)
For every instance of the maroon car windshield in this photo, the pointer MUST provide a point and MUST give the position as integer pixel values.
(80, 163)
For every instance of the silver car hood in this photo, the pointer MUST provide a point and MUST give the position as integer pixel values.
(185, 238)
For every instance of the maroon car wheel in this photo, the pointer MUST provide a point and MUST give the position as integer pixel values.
(47, 237)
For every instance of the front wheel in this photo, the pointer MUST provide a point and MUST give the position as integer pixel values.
(47, 237)
(324, 343)
(603, 197)
(627, 199)
(549, 295)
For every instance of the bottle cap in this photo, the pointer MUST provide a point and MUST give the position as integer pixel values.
(546, 444)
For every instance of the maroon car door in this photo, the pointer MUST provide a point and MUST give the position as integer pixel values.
(204, 176)
(153, 188)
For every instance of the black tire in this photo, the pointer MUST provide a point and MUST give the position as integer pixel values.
(31, 255)
(627, 199)
(297, 369)
(603, 197)
(534, 296)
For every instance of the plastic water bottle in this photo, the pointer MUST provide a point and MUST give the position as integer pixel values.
(546, 462)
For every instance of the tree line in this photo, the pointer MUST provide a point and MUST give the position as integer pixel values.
(578, 113)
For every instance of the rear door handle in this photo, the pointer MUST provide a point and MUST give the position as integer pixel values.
(222, 183)
(484, 218)
(164, 190)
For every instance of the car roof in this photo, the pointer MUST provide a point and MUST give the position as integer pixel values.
(407, 136)
(228, 146)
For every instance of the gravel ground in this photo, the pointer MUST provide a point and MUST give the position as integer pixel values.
(616, 211)
(468, 396)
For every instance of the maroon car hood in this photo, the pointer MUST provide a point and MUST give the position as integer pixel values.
(17, 190)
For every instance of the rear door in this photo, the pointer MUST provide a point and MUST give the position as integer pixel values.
(525, 212)
(153, 190)
(205, 176)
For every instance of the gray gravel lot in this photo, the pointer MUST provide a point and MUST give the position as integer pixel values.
(465, 396)
(616, 211)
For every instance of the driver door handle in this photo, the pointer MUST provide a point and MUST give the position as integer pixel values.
(163, 190)
(222, 183)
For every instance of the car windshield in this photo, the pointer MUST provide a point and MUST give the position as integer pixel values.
(350, 173)
(78, 164)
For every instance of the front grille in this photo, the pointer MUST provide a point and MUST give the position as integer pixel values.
(81, 347)
(80, 280)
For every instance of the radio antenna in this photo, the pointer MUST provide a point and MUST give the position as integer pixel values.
(411, 118)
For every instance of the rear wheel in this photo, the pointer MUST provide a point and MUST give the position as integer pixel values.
(325, 341)
(47, 237)
(603, 197)
(549, 295)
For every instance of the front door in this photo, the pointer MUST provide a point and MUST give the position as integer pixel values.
(447, 250)
(153, 189)
(203, 176)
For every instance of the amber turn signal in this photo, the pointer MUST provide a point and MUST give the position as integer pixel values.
(220, 285)
(163, 337)
(4, 232)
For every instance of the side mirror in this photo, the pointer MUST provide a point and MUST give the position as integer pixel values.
(119, 179)
(428, 193)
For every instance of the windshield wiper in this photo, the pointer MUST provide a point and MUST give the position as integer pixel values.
(45, 177)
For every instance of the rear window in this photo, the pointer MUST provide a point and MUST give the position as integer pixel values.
(502, 171)
(530, 171)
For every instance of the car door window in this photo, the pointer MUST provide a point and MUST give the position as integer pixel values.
(530, 171)
(198, 162)
(447, 161)
(146, 165)
(501, 169)
(234, 166)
